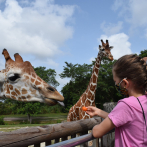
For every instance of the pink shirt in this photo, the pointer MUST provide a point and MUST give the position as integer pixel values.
(127, 116)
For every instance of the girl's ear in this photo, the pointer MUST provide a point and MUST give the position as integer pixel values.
(126, 83)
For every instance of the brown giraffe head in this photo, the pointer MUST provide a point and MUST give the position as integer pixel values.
(19, 81)
(105, 50)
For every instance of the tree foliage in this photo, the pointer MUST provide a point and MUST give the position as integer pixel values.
(143, 53)
(105, 91)
(75, 71)
(79, 80)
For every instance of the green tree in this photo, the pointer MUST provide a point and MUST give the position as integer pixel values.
(105, 91)
(143, 53)
(74, 71)
(80, 78)
(28, 108)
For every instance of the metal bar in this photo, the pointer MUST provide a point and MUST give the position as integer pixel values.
(74, 141)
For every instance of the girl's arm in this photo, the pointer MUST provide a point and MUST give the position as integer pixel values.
(93, 111)
(103, 114)
(105, 126)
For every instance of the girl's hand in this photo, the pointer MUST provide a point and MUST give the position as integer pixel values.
(92, 111)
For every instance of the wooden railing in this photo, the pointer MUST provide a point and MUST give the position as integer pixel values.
(59, 134)
(51, 134)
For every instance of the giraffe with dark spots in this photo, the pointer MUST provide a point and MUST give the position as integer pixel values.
(20, 82)
(88, 97)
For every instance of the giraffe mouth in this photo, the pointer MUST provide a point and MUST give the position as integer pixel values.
(61, 103)
(52, 102)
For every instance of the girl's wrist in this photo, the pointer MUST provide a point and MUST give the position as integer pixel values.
(99, 112)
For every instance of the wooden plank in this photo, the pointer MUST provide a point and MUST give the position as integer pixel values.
(34, 135)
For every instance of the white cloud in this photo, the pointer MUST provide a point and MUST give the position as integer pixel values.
(62, 82)
(138, 12)
(111, 29)
(38, 28)
(134, 11)
(2, 64)
(120, 43)
(92, 59)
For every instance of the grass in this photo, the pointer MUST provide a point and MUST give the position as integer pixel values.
(52, 118)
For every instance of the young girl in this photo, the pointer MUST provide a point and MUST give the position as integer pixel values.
(129, 116)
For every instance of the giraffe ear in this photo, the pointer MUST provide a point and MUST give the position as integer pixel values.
(6, 55)
(100, 47)
(111, 47)
(18, 58)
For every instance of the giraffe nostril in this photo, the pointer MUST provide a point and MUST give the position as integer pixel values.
(51, 89)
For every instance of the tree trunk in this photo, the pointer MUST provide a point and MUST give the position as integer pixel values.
(29, 118)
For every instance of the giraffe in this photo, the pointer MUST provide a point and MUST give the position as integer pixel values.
(19, 81)
(88, 97)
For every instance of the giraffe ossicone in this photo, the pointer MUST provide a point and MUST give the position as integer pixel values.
(19, 81)
(88, 97)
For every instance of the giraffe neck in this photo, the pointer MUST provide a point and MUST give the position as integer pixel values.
(94, 77)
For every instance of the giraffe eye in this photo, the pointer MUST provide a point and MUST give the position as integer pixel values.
(103, 49)
(51, 89)
(14, 77)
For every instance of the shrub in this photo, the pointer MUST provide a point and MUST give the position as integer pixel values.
(2, 121)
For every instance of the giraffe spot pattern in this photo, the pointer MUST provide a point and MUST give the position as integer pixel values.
(26, 77)
(28, 96)
(37, 83)
(94, 79)
(23, 97)
(32, 80)
(13, 97)
(8, 91)
(10, 87)
(33, 75)
(88, 102)
(33, 92)
(39, 79)
(92, 87)
(19, 99)
(97, 65)
(17, 91)
(24, 91)
(96, 71)
(89, 94)
(14, 93)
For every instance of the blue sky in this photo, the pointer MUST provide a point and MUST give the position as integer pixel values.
(51, 32)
